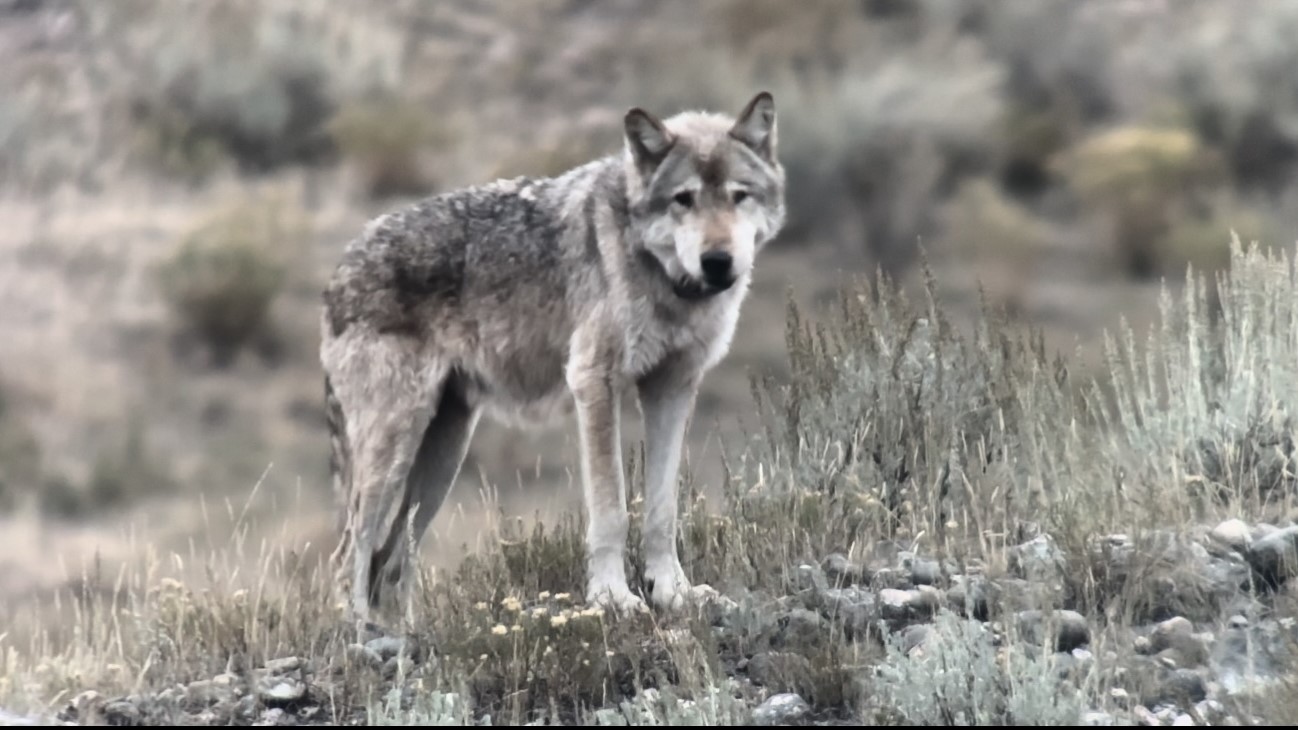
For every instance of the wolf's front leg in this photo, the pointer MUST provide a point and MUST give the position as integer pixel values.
(601, 470)
(667, 400)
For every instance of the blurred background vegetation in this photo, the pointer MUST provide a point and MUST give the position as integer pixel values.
(177, 178)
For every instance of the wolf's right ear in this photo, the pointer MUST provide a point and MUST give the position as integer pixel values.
(646, 138)
(756, 125)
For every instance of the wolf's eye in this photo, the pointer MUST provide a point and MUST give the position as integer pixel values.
(740, 196)
(684, 198)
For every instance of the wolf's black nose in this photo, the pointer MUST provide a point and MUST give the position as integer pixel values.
(716, 267)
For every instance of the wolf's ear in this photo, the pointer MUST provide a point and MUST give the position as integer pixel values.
(756, 125)
(647, 138)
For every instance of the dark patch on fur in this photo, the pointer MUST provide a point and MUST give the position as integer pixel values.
(713, 172)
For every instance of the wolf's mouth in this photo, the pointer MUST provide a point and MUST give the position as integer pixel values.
(692, 289)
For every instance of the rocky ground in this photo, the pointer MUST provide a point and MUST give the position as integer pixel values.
(1163, 629)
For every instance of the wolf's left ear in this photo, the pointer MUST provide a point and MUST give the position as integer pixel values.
(756, 126)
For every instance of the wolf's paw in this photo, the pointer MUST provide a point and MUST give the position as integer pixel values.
(615, 597)
(670, 589)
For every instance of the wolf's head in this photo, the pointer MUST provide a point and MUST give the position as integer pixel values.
(706, 192)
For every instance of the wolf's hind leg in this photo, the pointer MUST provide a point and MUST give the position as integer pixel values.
(389, 400)
(436, 466)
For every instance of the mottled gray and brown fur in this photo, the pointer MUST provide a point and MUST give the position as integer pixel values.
(524, 298)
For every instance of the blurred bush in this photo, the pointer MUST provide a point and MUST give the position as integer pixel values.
(19, 456)
(223, 277)
(247, 81)
(1140, 178)
(998, 237)
(385, 138)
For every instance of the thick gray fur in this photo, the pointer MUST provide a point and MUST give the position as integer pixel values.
(528, 299)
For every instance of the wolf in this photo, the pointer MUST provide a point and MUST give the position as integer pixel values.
(529, 299)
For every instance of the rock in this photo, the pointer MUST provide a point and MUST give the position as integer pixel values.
(1070, 628)
(1251, 657)
(272, 717)
(969, 597)
(280, 690)
(1095, 718)
(924, 572)
(1233, 533)
(914, 636)
(1181, 687)
(895, 603)
(1175, 639)
(284, 666)
(1017, 594)
(1038, 560)
(1183, 719)
(364, 655)
(207, 692)
(387, 646)
(1167, 633)
(800, 628)
(841, 571)
(781, 709)
(853, 609)
(122, 713)
(809, 577)
(1274, 558)
(900, 608)
(1120, 697)
(890, 578)
(1210, 712)
(720, 609)
(1145, 717)
(780, 670)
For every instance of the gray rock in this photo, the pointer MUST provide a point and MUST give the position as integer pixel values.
(853, 609)
(1069, 628)
(122, 712)
(275, 690)
(1274, 558)
(284, 666)
(925, 572)
(1182, 720)
(387, 646)
(900, 608)
(206, 692)
(968, 596)
(1234, 534)
(1210, 711)
(1095, 718)
(1169, 632)
(779, 669)
(364, 655)
(1176, 639)
(808, 577)
(1038, 560)
(801, 628)
(890, 578)
(781, 709)
(915, 636)
(1180, 687)
(841, 571)
(272, 717)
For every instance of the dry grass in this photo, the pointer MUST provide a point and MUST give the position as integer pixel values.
(903, 124)
(894, 428)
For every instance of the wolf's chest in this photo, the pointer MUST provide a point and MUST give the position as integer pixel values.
(703, 336)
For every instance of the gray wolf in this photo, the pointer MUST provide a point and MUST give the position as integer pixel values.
(527, 300)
